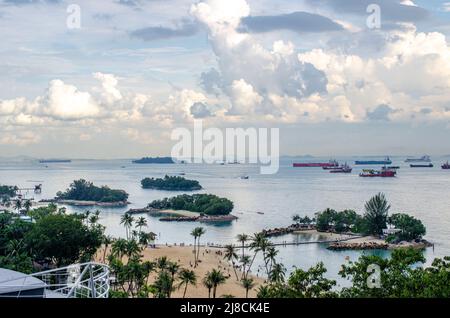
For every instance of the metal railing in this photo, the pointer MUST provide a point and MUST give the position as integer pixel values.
(87, 280)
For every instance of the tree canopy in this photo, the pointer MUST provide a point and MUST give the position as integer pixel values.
(8, 191)
(208, 204)
(82, 190)
(171, 184)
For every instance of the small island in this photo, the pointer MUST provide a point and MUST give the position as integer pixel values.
(171, 184)
(190, 208)
(8, 191)
(157, 160)
(85, 193)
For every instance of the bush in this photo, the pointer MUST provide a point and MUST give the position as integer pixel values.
(82, 190)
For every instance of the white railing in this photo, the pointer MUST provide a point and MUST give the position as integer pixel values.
(88, 280)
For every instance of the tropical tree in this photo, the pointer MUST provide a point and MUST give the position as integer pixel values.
(230, 255)
(259, 243)
(197, 233)
(27, 205)
(208, 284)
(216, 278)
(119, 248)
(200, 231)
(140, 223)
(376, 214)
(187, 277)
(107, 241)
(127, 221)
(277, 273)
(242, 238)
(18, 205)
(248, 284)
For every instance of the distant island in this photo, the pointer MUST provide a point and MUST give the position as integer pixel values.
(171, 184)
(206, 204)
(8, 191)
(157, 160)
(55, 161)
(82, 192)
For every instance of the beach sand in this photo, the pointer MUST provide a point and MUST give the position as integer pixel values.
(209, 260)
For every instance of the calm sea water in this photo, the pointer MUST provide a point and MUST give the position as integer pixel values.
(423, 193)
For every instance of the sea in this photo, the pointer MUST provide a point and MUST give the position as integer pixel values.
(261, 201)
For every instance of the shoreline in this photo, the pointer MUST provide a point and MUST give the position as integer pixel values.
(81, 203)
(170, 215)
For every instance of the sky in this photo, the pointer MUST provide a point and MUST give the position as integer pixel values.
(116, 84)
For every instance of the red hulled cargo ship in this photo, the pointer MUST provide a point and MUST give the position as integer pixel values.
(330, 164)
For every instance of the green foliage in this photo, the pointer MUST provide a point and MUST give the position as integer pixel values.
(8, 191)
(203, 203)
(301, 284)
(376, 214)
(325, 220)
(42, 212)
(63, 239)
(399, 278)
(83, 190)
(171, 184)
(411, 228)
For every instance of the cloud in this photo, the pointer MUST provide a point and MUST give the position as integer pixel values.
(391, 10)
(19, 139)
(183, 29)
(297, 22)
(201, 110)
(381, 112)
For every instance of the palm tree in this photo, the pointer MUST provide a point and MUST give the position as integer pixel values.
(27, 205)
(119, 248)
(277, 273)
(208, 284)
(162, 263)
(270, 258)
(242, 238)
(230, 255)
(259, 243)
(296, 218)
(141, 222)
(248, 284)
(107, 241)
(132, 248)
(245, 261)
(187, 277)
(200, 232)
(217, 278)
(172, 268)
(18, 205)
(127, 221)
(195, 235)
(376, 215)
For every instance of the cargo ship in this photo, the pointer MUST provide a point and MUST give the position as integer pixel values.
(430, 165)
(446, 166)
(384, 173)
(342, 169)
(422, 159)
(386, 161)
(55, 161)
(330, 164)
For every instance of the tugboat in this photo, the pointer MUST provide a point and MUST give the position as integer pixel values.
(342, 169)
(446, 166)
(384, 173)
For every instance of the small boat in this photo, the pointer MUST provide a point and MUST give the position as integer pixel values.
(446, 166)
(342, 169)
(245, 177)
(330, 164)
(430, 165)
(391, 167)
(182, 174)
(385, 173)
(386, 161)
(421, 159)
(261, 213)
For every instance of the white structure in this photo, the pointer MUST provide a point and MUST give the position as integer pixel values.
(88, 280)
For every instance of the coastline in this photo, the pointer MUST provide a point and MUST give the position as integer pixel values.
(88, 203)
(169, 215)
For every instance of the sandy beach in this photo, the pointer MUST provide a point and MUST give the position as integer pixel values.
(210, 259)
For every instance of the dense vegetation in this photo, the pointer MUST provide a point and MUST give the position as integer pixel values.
(171, 184)
(373, 222)
(208, 204)
(82, 190)
(8, 191)
(398, 279)
(55, 239)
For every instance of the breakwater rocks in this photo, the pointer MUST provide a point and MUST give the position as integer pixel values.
(342, 246)
(218, 218)
(143, 211)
